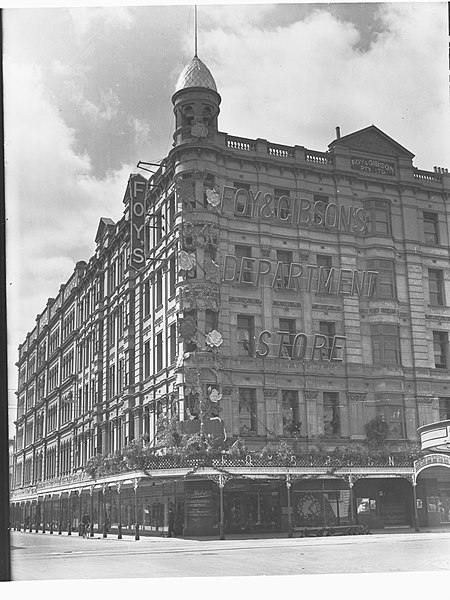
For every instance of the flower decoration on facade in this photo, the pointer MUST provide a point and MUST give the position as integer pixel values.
(212, 197)
(199, 130)
(186, 261)
(214, 339)
(213, 395)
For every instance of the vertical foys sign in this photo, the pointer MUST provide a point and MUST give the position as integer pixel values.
(136, 189)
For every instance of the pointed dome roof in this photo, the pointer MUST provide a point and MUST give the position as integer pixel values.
(195, 74)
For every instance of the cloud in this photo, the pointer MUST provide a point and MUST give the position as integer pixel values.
(53, 202)
(293, 84)
(85, 19)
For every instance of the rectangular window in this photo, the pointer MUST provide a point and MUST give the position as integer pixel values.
(69, 324)
(159, 352)
(290, 412)
(245, 268)
(394, 417)
(147, 359)
(158, 226)
(120, 369)
(32, 365)
(436, 287)
(52, 417)
(430, 228)
(324, 201)
(111, 328)
(172, 277)
(53, 377)
(385, 279)
(379, 216)
(111, 381)
(444, 409)
(173, 343)
(288, 327)
(245, 335)
(30, 398)
(211, 320)
(171, 212)
(328, 329)
(385, 344)
(440, 346)
(159, 287)
(285, 258)
(331, 417)
(54, 341)
(283, 207)
(146, 297)
(247, 411)
(120, 267)
(243, 205)
(40, 388)
(42, 352)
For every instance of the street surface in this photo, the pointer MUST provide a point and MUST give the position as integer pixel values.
(37, 556)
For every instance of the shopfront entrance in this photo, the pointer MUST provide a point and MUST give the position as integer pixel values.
(252, 508)
(433, 497)
(382, 503)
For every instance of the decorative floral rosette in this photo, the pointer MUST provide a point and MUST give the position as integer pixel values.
(212, 197)
(186, 261)
(214, 339)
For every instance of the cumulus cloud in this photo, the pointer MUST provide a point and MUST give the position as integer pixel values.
(53, 202)
(293, 84)
(85, 19)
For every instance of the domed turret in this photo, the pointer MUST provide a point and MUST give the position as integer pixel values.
(195, 74)
(196, 102)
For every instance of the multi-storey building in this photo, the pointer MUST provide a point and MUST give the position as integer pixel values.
(267, 293)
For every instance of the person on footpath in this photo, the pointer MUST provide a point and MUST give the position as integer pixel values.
(86, 520)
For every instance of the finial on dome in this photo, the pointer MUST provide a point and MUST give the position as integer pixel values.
(195, 30)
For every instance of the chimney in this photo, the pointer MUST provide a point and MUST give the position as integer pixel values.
(338, 132)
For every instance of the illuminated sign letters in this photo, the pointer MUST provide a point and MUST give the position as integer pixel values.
(299, 346)
(297, 277)
(136, 189)
(297, 211)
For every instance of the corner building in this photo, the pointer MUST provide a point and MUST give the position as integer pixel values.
(256, 291)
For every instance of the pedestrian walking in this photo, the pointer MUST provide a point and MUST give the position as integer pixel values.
(85, 522)
(171, 532)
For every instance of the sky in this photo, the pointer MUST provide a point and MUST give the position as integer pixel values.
(87, 95)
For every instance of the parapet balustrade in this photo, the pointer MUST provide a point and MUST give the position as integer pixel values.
(237, 143)
(427, 175)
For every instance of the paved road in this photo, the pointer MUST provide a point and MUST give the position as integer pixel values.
(44, 556)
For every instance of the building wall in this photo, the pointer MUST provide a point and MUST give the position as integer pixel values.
(101, 364)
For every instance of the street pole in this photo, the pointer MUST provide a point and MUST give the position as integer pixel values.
(60, 514)
(91, 529)
(221, 524)
(80, 512)
(352, 501)
(69, 513)
(415, 515)
(43, 514)
(119, 506)
(51, 513)
(136, 535)
(105, 527)
(288, 488)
